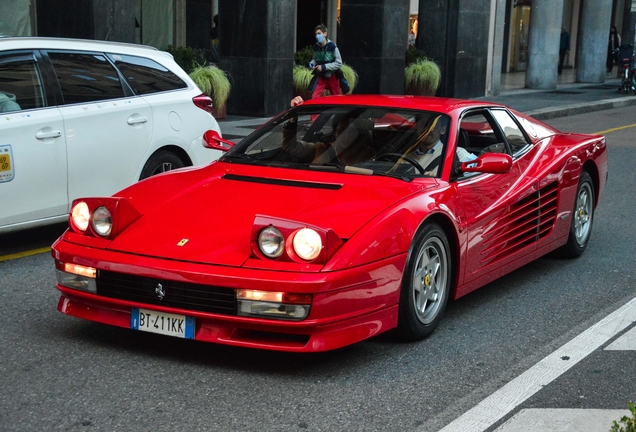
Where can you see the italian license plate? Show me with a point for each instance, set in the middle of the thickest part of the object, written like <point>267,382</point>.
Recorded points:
<point>162,323</point>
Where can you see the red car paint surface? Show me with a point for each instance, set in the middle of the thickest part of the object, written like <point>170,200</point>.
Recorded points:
<point>494,223</point>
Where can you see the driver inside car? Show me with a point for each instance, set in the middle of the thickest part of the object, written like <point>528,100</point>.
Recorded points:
<point>347,148</point>
<point>427,150</point>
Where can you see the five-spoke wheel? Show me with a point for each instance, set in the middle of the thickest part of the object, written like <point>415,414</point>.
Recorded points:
<point>426,283</point>
<point>582,218</point>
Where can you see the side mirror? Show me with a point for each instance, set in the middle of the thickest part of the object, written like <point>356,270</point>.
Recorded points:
<point>491,163</point>
<point>212,140</point>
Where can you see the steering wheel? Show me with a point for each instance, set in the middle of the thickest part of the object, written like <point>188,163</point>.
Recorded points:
<point>397,156</point>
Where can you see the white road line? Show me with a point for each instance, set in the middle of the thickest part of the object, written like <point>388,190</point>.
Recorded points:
<point>562,420</point>
<point>511,395</point>
<point>626,342</point>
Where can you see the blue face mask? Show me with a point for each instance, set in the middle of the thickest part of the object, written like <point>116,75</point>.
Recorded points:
<point>320,38</point>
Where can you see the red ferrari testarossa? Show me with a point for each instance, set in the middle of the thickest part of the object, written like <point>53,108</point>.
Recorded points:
<point>337,220</point>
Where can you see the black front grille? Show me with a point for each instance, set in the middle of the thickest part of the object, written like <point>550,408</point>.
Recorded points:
<point>183,295</point>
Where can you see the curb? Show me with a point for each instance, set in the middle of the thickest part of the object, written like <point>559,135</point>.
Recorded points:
<point>582,108</point>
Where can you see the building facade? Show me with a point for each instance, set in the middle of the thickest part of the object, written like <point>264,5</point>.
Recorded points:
<point>473,41</point>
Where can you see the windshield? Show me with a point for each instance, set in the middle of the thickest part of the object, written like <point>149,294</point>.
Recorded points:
<point>350,139</point>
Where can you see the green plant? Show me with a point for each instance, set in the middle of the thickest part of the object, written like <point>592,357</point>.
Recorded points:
<point>350,75</point>
<point>188,58</point>
<point>213,82</point>
<point>413,55</point>
<point>422,77</point>
<point>302,77</point>
<point>630,423</point>
<point>304,56</point>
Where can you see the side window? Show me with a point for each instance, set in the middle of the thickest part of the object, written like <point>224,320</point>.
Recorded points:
<point>147,76</point>
<point>515,137</point>
<point>86,77</point>
<point>480,135</point>
<point>477,135</point>
<point>20,84</point>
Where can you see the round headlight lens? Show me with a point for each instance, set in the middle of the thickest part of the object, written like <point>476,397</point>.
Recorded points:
<point>80,216</point>
<point>102,221</point>
<point>271,242</point>
<point>307,244</point>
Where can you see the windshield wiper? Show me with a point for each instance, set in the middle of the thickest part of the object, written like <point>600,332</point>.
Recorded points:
<point>241,157</point>
<point>399,177</point>
<point>332,166</point>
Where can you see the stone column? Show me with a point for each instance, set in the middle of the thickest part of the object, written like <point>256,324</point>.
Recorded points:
<point>198,23</point>
<point>373,39</point>
<point>179,36</point>
<point>332,20</point>
<point>546,18</point>
<point>596,19</point>
<point>455,35</point>
<point>114,20</point>
<point>256,40</point>
<point>493,88</point>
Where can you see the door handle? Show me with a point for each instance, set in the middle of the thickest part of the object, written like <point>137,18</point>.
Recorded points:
<point>49,134</point>
<point>135,119</point>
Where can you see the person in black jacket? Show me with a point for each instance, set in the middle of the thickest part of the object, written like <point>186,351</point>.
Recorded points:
<point>613,43</point>
<point>564,47</point>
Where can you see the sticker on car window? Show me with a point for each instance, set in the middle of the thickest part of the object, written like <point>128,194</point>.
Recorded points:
<point>6,163</point>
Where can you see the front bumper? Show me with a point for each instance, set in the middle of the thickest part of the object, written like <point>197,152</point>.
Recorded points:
<point>348,306</point>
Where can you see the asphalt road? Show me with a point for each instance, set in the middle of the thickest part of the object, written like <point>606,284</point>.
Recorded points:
<point>62,373</point>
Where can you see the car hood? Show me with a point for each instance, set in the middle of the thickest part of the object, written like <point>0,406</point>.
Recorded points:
<point>212,221</point>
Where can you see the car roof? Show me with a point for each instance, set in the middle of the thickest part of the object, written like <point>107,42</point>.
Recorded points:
<point>76,44</point>
<point>428,103</point>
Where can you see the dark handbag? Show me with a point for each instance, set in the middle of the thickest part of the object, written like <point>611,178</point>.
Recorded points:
<point>312,83</point>
<point>344,84</point>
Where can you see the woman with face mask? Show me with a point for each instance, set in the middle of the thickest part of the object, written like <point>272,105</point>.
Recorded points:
<point>325,64</point>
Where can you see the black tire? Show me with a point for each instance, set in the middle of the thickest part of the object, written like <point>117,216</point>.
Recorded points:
<point>426,284</point>
<point>161,161</point>
<point>582,218</point>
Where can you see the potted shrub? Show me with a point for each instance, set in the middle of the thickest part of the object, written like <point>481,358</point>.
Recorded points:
<point>186,57</point>
<point>301,79</point>
<point>422,77</point>
<point>413,54</point>
<point>350,75</point>
<point>215,83</point>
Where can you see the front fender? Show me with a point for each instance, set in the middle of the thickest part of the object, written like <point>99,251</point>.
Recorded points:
<point>392,231</point>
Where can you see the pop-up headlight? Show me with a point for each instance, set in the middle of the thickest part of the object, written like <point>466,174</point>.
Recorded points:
<point>80,215</point>
<point>285,240</point>
<point>271,242</point>
<point>307,244</point>
<point>102,221</point>
<point>102,217</point>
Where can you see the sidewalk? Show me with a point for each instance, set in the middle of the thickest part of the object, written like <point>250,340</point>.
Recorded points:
<point>569,98</point>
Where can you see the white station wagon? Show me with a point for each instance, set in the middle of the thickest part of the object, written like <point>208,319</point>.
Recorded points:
<point>88,118</point>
